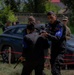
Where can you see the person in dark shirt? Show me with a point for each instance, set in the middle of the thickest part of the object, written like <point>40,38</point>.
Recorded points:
<point>57,35</point>
<point>33,52</point>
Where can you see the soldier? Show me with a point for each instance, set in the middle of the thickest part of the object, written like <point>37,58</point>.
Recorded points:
<point>68,31</point>
<point>31,20</point>
<point>33,52</point>
<point>57,37</point>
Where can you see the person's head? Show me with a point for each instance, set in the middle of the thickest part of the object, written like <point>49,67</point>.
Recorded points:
<point>8,23</point>
<point>17,22</point>
<point>31,20</point>
<point>38,22</point>
<point>13,23</point>
<point>30,28</point>
<point>65,20</point>
<point>51,17</point>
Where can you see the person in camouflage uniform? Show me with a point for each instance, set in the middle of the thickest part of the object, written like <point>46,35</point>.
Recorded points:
<point>68,31</point>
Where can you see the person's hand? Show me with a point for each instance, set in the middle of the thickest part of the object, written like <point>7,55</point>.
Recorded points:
<point>22,59</point>
<point>44,34</point>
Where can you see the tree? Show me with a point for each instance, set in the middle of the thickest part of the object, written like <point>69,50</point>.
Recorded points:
<point>7,14</point>
<point>69,4</point>
<point>14,4</point>
<point>40,6</point>
<point>2,5</point>
<point>29,5</point>
<point>35,6</point>
<point>32,6</point>
<point>52,7</point>
<point>18,2</point>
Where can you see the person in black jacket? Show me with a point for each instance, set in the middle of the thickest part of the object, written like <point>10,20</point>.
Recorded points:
<point>33,52</point>
<point>57,35</point>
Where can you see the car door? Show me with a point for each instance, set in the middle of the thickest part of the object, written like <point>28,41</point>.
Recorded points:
<point>14,37</point>
<point>19,34</point>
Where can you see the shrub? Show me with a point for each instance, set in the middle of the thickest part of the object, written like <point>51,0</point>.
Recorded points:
<point>7,14</point>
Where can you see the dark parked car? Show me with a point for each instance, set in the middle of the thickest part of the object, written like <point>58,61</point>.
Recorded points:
<point>69,55</point>
<point>12,38</point>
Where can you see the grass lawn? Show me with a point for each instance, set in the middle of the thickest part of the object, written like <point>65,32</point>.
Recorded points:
<point>6,69</point>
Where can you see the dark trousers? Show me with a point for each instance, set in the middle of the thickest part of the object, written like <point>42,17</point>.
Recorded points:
<point>56,61</point>
<point>38,66</point>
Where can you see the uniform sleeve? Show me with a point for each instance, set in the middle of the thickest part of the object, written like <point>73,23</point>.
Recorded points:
<point>26,44</point>
<point>58,35</point>
<point>68,33</point>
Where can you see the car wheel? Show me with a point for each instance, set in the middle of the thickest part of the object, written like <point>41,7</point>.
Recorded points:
<point>7,56</point>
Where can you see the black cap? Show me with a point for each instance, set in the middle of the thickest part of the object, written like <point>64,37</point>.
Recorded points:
<point>30,27</point>
<point>50,13</point>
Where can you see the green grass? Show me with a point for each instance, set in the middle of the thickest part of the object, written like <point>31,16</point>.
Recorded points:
<point>6,69</point>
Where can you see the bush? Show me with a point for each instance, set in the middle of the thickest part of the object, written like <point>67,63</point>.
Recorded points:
<point>7,14</point>
<point>12,17</point>
<point>52,7</point>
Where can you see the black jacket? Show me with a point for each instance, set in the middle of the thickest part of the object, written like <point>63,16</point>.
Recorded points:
<point>57,36</point>
<point>34,46</point>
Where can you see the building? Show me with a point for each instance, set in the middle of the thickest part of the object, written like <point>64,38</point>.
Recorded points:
<point>63,9</point>
<point>55,1</point>
<point>58,3</point>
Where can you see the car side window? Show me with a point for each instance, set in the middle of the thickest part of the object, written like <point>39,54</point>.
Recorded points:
<point>11,31</point>
<point>20,31</point>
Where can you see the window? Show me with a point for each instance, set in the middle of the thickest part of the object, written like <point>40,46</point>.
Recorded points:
<point>19,30</point>
<point>11,31</point>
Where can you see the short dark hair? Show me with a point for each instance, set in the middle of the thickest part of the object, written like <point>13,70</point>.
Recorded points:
<point>30,27</point>
<point>50,13</point>
<point>17,22</point>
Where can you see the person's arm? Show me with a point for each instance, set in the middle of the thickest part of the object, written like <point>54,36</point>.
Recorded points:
<point>42,43</point>
<point>58,35</point>
<point>68,36</point>
<point>27,43</point>
<point>24,46</point>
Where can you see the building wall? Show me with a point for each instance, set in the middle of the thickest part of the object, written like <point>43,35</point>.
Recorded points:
<point>55,1</point>
<point>23,17</point>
